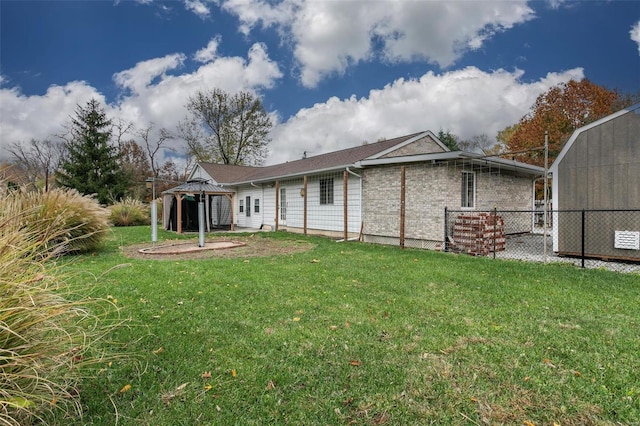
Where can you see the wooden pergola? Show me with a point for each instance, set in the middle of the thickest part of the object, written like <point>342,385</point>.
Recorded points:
<point>191,188</point>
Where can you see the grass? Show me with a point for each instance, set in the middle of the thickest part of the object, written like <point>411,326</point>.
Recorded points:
<point>351,333</point>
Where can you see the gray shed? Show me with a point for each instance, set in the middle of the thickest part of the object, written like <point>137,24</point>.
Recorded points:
<point>598,171</point>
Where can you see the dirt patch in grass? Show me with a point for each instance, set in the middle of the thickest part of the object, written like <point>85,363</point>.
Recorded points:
<point>245,246</point>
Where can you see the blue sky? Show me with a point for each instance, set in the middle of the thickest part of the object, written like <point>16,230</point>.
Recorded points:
<point>332,73</point>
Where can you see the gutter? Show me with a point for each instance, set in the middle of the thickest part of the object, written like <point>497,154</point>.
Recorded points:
<point>455,155</point>
<point>353,173</point>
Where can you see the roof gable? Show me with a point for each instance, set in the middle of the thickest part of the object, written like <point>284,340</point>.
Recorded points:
<point>567,146</point>
<point>424,143</point>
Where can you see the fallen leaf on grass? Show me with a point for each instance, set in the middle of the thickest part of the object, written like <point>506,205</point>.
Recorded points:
<point>528,423</point>
<point>207,387</point>
<point>315,261</point>
<point>206,375</point>
<point>168,397</point>
<point>233,373</point>
<point>271,385</point>
<point>548,363</point>
<point>334,327</point>
<point>158,351</point>
<point>354,362</point>
<point>296,319</point>
<point>125,388</point>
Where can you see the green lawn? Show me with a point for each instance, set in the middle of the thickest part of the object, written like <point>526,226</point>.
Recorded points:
<point>352,333</point>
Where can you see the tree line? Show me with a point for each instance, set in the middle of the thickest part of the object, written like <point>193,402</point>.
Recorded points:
<point>96,154</point>
<point>112,159</point>
<point>558,111</point>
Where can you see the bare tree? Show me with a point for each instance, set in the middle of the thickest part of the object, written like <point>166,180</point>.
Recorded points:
<point>479,143</point>
<point>120,128</point>
<point>154,145</point>
<point>39,158</point>
<point>224,128</point>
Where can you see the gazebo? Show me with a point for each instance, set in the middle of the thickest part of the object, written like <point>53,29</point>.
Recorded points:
<point>174,216</point>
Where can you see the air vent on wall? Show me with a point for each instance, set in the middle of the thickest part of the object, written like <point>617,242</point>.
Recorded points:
<point>628,240</point>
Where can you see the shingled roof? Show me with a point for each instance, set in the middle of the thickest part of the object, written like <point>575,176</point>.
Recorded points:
<point>227,174</point>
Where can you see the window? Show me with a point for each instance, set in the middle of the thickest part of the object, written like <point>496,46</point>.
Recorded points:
<point>248,206</point>
<point>468,190</point>
<point>256,205</point>
<point>241,206</point>
<point>326,191</point>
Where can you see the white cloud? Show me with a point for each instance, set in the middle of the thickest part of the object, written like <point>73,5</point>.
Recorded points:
<point>143,73</point>
<point>330,36</point>
<point>467,102</point>
<point>252,12</point>
<point>23,118</point>
<point>197,7</point>
<point>149,94</point>
<point>635,34</point>
<point>208,53</point>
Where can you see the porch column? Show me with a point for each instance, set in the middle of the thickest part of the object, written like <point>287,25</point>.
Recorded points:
<point>304,203</point>
<point>179,210</point>
<point>345,191</point>
<point>277,204</point>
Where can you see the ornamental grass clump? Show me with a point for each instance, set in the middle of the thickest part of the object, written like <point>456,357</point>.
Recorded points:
<point>50,334</point>
<point>129,212</point>
<point>60,218</point>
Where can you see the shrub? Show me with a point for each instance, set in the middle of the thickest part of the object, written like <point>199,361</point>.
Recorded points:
<point>61,218</point>
<point>129,212</point>
<point>48,333</point>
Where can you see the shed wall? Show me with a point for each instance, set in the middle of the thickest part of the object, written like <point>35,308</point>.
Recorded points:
<point>601,170</point>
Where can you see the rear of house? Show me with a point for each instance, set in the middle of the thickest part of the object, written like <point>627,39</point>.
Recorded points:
<point>356,192</point>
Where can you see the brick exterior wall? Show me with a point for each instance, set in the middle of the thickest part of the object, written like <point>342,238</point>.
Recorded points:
<point>429,189</point>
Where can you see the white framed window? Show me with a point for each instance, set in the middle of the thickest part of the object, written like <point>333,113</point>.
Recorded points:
<point>248,206</point>
<point>468,190</point>
<point>326,191</point>
<point>241,206</point>
<point>256,205</point>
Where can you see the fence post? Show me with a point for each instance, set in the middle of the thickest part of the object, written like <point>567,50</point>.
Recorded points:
<point>583,238</point>
<point>402,205</point>
<point>495,216</point>
<point>446,229</point>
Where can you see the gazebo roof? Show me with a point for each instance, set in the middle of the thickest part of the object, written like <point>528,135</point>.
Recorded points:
<point>196,186</point>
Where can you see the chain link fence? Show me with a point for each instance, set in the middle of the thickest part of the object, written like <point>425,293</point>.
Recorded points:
<point>588,238</point>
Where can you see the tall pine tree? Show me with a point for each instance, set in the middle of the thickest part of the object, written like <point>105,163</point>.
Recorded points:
<point>91,164</point>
